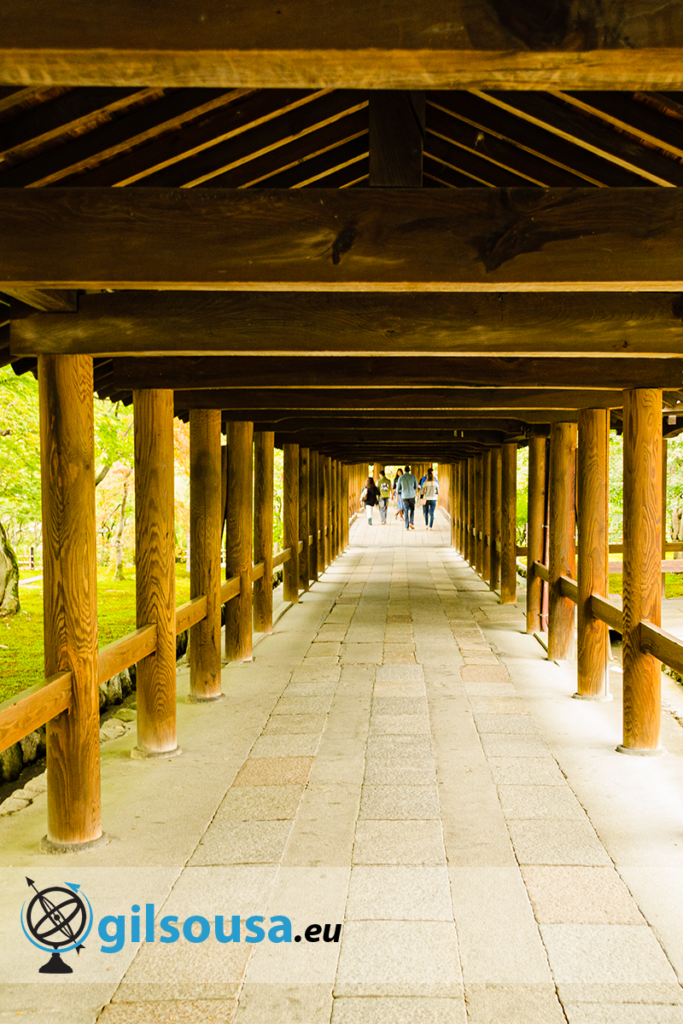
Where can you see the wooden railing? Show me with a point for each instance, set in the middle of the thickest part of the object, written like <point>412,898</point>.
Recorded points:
<point>652,639</point>
<point>35,706</point>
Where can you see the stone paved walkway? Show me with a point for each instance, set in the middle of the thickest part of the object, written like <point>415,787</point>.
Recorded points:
<point>399,758</point>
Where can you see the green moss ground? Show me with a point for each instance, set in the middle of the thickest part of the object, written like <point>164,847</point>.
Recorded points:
<point>21,637</point>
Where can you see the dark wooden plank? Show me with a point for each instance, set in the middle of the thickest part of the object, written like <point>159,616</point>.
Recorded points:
<point>397,123</point>
<point>434,44</point>
<point>206,323</point>
<point>468,161</point>
<point>386,372</point>
<point>49,300</point>
<point>391,398</point>
<point>349,239</point>
<point>345,158</point>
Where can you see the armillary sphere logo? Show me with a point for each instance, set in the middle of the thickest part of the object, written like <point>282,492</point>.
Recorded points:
<point>57,920</point>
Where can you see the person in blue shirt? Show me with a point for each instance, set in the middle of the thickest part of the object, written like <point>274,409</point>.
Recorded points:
<point>406,490</point>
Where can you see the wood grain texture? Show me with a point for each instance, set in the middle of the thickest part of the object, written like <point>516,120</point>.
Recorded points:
<point>397,120</point>
<point>32,708</point>
<point>642,593</point>
<point>662,645</point>
<point>205,551</point>
<point>593,554</point>
<point>562,521</point>
<point>542,571</point>
<point>506,324</point>
<point>263,529</point>
<point>230,589</point>
<point>238,552</point>
<point>389,399</point>
<point>536,523</point>
<point>290,519</point>
<point>313,515</point>
<point>607,612</point>
<point>155,568</point>
<point>432,240</point>
<point>70,593</point>
<point>127,651</point>
<point>304,522</point>
<point>46,300</point>
<point>569,589</point>
<point>402,45</point>
<point>508,524</point>
<point>190,613</point>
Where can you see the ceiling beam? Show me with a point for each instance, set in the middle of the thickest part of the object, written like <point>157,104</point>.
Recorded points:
<point>343,239</point>
<point>378,373</point>
<point>255,400</point>
<point>402,45</point>
<point>269,323</point>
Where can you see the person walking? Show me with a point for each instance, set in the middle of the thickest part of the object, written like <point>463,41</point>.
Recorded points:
<point>369,497</point>
<point>384,488</point>
<point>399,499</point>
<point>406,489</point>
<point>430,491</point>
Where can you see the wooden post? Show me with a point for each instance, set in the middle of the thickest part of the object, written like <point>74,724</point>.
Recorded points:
<point>665,452</point>
<point>263,529</point>
<point>562,545</point>
<point>496,493</point>
<point>155,569</point>
<point>462,505</point>
<point>290,520</point>
<point>471,499</point>
<point>238,555</point>
<point>327,504</point>
<point>304,467</point>
<point>321,514</point>
<point>313,514</point>
<point>479,513</point>
<point>508,524</point>
<point>486,516</point>
<point>345,492</point>
<point>455,502</point>
<point>535,538</point>
<point>67,461</point>
<point>205,548</point>
<point>333,509</point>
<point>642,567</point>
<point>593,524</point>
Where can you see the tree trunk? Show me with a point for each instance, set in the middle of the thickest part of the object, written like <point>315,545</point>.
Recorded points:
<point>9,577</point>
<point>118,538</point>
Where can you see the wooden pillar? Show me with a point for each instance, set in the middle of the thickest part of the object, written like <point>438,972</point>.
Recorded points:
<point>479,513</point>
<point>205,549</point>
<point>665,452</point>
<point>486,516</point>
<point>562,545</point>
<point>290,520</point>
<point>462,505</point>
<point>535,538</point>
<point>321,513</point>
<point>264,454</point>
<point>593,525</point>
<point>238,550</point>
<point>327,504</point>
<point>508,524</point>
<point>642,570</point>
<point>313,461</point>
<point>155,569</point>
<point>471,498</point>
<point>496,499</point>
<point>333,509</point>
<point>304,484</point>
<point>67,460</point>
<point>455,502</point>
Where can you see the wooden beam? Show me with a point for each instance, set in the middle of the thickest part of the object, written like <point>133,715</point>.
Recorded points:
<point>593,529</point>
<point>281,372</point>
<point>155,570</point>
<point>290,518</point>
<point>45,299</point>
<point>536,523</point>
<point>508,524</point>
<point>513,324</point>
<point>562,545</point>
<point>480,399</point>
<point>642,598</point>
<point>403,46</point>
<point>205,552</point>
<point>344,239</point>
<point>238,561</point>
<point>263,529</point>
<point>70,597</point>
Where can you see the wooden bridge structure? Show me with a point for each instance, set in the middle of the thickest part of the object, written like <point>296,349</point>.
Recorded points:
<point>427,235</point>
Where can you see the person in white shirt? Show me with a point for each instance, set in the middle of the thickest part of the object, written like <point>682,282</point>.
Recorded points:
<point>430,491</point>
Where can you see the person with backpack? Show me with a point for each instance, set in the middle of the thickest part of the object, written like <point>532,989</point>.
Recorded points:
<point>430,491</point>
<point>384,488</point>
<point>406,490</point>
<point>369,497</point>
